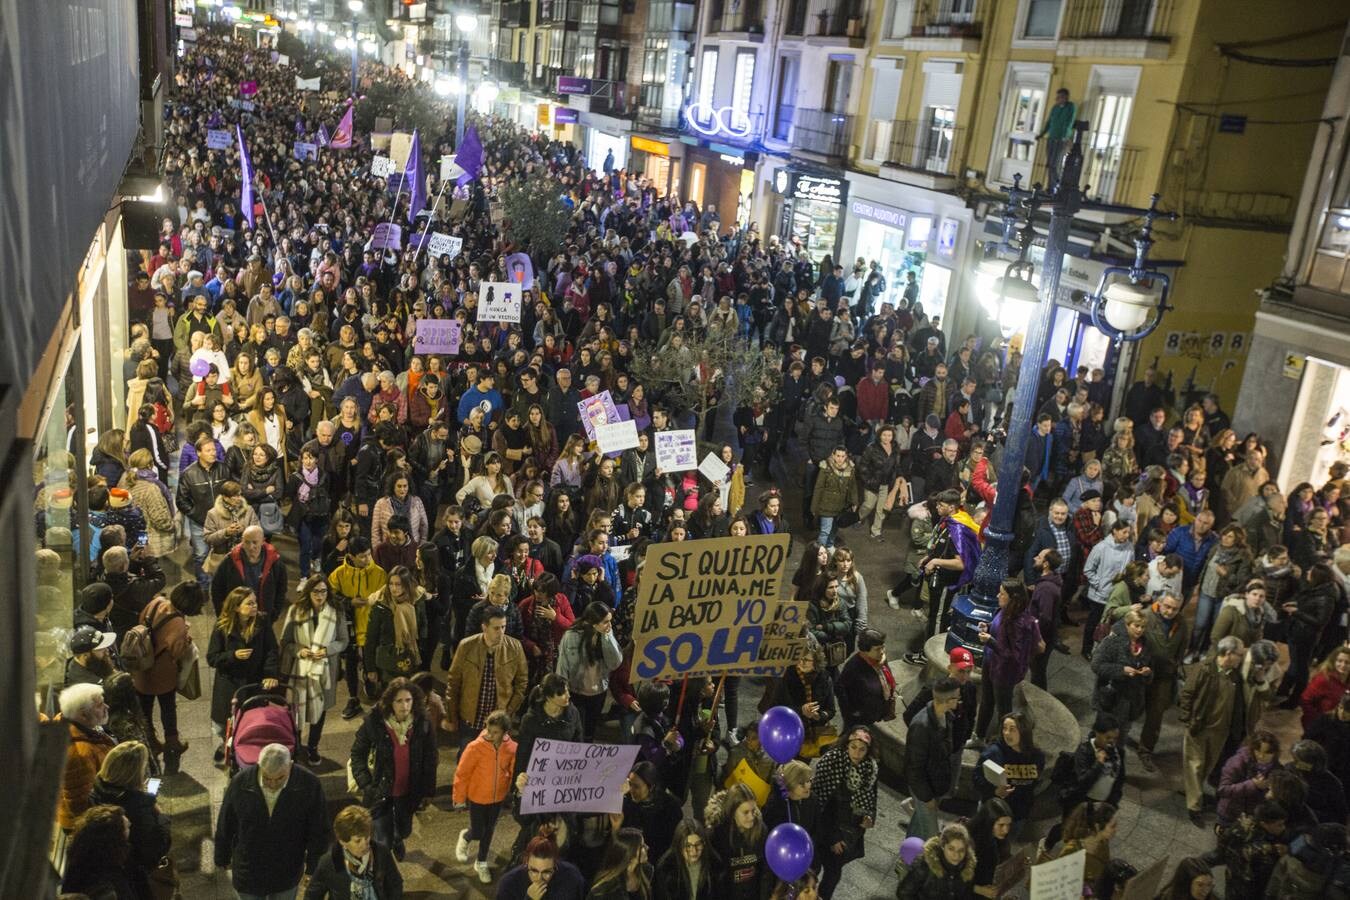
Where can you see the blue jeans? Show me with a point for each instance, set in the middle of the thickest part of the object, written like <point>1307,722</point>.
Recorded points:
<point>197,536</point>
<point>1206,611</point>
<point>310,536</point>
<point>826,535</point>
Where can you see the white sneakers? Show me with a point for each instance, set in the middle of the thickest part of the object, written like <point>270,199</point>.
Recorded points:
<point>892,600</point>
<point>484,874</point>
<point>462,847</point>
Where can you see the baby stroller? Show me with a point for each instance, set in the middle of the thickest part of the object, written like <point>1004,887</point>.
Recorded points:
<point>259,718</point>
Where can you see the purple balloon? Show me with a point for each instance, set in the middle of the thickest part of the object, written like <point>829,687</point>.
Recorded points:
<point>200,367</point>
<point>789,851</point>
<point>781,733</point>
<point>910,850</point>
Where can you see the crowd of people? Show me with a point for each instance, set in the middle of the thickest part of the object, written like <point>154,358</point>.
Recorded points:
<point>468,560</point>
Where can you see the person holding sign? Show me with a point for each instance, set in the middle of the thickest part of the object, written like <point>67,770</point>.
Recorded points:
<point>1090,827</point>
<point>586,657</point>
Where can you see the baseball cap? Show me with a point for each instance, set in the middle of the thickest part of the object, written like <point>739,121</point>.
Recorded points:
<point>87,638</point>
<point>961,658</point>
<point>1090,494</point>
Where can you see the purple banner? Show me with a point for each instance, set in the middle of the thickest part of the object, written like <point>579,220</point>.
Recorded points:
<point>571,84</point>
<point>437,336</point>
<point>387,236</point>
<point>248,88</point>
<point>563,115</point>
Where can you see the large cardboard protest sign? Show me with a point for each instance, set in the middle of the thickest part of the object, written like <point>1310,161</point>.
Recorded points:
<point>499,301</point>
<point>566,775</point>
<point>438,336</point>
<point>1059,879</point>
<point>439,244</point>
<point>715,607</point>
<point>387,236</point>
<point>615,437</point>
<point>676,451</point>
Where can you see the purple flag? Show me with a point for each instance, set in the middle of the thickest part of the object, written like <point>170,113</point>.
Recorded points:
<point>299,126</point>
<point>246,175</point>
<point>323,135</point>
<point>470,156</point>
<point>342,138</point>
<point>417,193</point>
<point>215,120</point>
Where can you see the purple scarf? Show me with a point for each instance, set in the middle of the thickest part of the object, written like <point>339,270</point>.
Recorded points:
<point>309,478</point>
<point>152,476</point>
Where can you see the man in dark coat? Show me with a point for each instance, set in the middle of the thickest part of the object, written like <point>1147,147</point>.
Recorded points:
<point>273,825</point>
<point>256,565</point>
<point>928,756</point>
<point>866,688</point>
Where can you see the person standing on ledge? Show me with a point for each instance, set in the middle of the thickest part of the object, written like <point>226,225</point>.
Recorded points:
<point>1058,133</point>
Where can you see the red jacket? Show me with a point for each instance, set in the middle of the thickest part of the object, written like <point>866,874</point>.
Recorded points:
<point>1321,695</point>
<point>271,583</point>
<point>566,618</point>
<point>874,399</point>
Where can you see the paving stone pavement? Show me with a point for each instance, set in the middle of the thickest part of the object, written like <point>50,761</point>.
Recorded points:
<point>1152,820</point>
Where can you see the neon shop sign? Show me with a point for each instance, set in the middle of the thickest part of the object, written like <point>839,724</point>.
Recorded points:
<point>722,121</point>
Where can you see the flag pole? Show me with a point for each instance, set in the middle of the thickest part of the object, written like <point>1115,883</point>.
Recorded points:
<point>394,211</point>
<point>435,203</point>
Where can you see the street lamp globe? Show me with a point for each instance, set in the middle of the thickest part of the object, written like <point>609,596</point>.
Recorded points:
<point>371,47</point>
<point>1019,298</point>
<point>488,91</point>
<point>466,22</point>
<point>443,87</point>
<point>987,272</point>
<point>1128,305</point>
<point>341,43</point>
<point>356,5</point>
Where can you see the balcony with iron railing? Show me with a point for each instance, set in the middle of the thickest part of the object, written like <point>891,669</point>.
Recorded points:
<point>843,23</point>
<point>946,25</point>
<point>920,152</point>
<point>1133,29</point>
<point>557,13</point>
<point>822,133</point>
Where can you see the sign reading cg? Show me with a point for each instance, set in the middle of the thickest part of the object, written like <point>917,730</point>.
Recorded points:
<point>723,121</point>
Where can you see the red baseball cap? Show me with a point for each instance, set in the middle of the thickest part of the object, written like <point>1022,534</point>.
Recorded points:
<point>961,658</point>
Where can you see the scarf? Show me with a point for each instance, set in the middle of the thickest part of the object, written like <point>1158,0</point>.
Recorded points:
<point>857,778</point>
<point>309,479</point>
<point>362,878</point>
<point>315,675</point>
<point>152,476</point>
<point>400,507</point>
<point>399,729</point>
<point>405,628</point>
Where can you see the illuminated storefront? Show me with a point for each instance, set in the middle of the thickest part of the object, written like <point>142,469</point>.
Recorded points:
<point>812,210</point>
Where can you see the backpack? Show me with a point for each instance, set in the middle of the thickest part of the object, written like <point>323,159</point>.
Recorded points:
<point>138,646</point>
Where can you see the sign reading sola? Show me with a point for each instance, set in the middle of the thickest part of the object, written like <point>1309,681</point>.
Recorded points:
<point>714,607</point>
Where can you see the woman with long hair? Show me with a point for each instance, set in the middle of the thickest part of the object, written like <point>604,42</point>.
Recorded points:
<point>567,468</point>
<point>814,561</point>
<point>845,788</point>
<point>562,521</point>
<point>1090,826</point>
<point>1329,683</point>
<point>1023,764</point>
<point>342,527</point>
<point>686,870</point>
<point>545,614</point>
<point>393,761</point>
<point>223,426</point>
<point>1010,642</point>
<point>108,458</point>
<point>98,854</point>
<point>433,586</point>
<point>587,655</point>
<point>852,587</point>
<point>263,482</point>
<point>396,628</point>
<point>990,838</point>
<point>145,435</point>
<point>1310,614</point>
<point>1226,569</point>
<point>1192,880</point>
<point>311,508</point>
<point>624,872</point>
<point>156,503</point>
<point>243,651</point>
<point>268,418</point>
<point>313,637</point>
<point>737,832</point>
<point>489,484</point>
<point>709,519</point>
<point>399,500</point>
<point>543,437</point>
<point>603,492</point>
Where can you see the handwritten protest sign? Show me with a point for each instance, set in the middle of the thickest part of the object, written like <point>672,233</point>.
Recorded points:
<point>307,84</point>
<point>1059,879</point>
<point>596,410</point>
<point>566,775</point>
<point>439,245</point>
<point>499,301</point>
<point>386,236</point>
<point>219,139</point>
<point>713,468</point>
<point>712,607</point>
<point>615,437</point>
<point>305,150</point>
<point>676,451</point>
<point>438,336</point>
<point>381,166</point>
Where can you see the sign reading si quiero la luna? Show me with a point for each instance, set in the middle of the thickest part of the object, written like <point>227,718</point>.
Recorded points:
<point>714,607</point>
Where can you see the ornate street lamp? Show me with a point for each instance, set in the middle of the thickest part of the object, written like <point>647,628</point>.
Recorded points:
<point>1121,308</point>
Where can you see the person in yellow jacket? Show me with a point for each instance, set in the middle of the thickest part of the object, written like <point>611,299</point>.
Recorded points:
<point>353,583</point>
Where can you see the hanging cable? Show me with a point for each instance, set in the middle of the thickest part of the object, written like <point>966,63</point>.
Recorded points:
<point>1280,63</point>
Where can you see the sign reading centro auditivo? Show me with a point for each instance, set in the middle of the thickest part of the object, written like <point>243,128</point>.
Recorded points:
<point>714,607</point>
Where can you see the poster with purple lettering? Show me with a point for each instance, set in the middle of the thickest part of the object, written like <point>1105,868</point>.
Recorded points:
<point>597,409</point>
<point>437,336</point>
<point>387,236</point>
<point>566,775</point>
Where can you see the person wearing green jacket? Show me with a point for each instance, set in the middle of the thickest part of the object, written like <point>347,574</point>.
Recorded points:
<point>836,492</point>
<point>1058,132</point>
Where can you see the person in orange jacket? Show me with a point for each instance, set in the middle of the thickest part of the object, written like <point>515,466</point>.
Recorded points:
<point>483,778</point>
